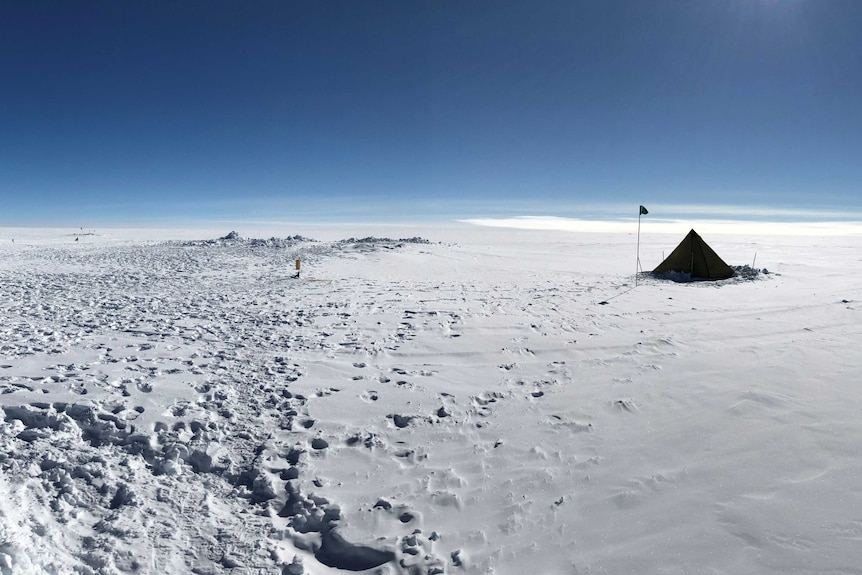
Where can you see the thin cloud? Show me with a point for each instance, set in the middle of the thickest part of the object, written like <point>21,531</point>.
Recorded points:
<point>676,226</point>
<point>764,212</point>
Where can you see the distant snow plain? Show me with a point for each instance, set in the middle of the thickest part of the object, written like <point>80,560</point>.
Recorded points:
<point>497,401</point>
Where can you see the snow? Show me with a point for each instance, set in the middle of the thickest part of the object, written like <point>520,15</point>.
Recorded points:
<point>178,402</point>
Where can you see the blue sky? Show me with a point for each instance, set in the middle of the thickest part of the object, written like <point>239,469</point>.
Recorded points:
<point>379,110</point>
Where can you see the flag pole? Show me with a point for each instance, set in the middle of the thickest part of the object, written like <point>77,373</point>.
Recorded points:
<point>638,263</point>
<point>641,211</point>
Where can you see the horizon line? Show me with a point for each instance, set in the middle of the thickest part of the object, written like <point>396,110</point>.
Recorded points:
<point>627,225</point>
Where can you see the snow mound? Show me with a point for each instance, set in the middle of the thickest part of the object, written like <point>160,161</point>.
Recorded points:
<point>376,240</point>
<point>748,273</point>
<point>742,273</point>
<point>233,239</point>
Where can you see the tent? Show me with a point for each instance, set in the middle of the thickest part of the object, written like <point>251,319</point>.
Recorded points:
<point>694,257</point>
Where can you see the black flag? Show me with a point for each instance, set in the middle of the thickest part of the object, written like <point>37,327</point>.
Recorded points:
<point>644,211</point>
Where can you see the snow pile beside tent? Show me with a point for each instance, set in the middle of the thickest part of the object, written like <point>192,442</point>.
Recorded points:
<point>746,272</point>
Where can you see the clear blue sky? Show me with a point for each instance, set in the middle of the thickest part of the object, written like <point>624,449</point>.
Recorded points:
<point>119,111</point>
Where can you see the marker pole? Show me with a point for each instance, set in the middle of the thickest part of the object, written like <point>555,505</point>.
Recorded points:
<point>638,264</point>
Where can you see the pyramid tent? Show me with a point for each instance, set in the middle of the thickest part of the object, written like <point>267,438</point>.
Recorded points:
<point>694,257</point>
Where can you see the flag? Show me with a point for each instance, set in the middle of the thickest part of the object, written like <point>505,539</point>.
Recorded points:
<point>643,211</point>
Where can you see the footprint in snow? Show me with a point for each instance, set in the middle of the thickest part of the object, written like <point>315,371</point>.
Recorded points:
<point>625,405</point>
<point>400,421</point>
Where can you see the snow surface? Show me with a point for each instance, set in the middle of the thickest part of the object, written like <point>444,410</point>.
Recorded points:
<point>494,401</point>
